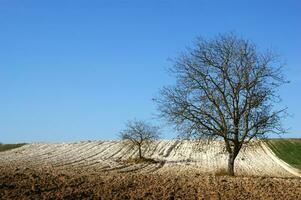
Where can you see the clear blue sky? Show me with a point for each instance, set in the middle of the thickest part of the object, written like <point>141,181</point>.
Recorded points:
<point>77,70</point>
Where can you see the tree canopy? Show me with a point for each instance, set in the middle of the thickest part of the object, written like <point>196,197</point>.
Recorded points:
<point>225,89</point>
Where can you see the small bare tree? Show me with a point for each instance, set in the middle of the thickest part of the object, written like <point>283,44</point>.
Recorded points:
<point>140,134</point>
<point>225,90</point>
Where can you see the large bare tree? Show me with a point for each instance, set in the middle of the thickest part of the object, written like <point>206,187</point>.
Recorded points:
<point>225,89</point>
<point>139,134</point>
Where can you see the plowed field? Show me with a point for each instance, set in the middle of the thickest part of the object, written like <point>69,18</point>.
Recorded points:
<point>99,170</point>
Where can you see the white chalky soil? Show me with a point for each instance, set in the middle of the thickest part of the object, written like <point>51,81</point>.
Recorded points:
<point>256,159</point>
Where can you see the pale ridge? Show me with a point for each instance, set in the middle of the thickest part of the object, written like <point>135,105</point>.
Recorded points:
<point>283,164</point>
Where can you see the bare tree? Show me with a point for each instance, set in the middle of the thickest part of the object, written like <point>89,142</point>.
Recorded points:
<point>140,134</point>
<point>225,89</point>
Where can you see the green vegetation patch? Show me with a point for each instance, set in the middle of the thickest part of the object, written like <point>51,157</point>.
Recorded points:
<point>6,147</point>
<point>289,150</point>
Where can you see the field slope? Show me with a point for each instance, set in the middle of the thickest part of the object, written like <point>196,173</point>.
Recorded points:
<point>289,150</point>
<point>6,147</point>
<point>171,155</point>
<point>100,170</point>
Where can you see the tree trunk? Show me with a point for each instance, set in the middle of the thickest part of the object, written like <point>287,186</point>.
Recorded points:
<point>140,152</point>
<point>231,164</point>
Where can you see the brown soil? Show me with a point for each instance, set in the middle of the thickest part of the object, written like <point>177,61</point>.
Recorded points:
<point>48,183</point>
